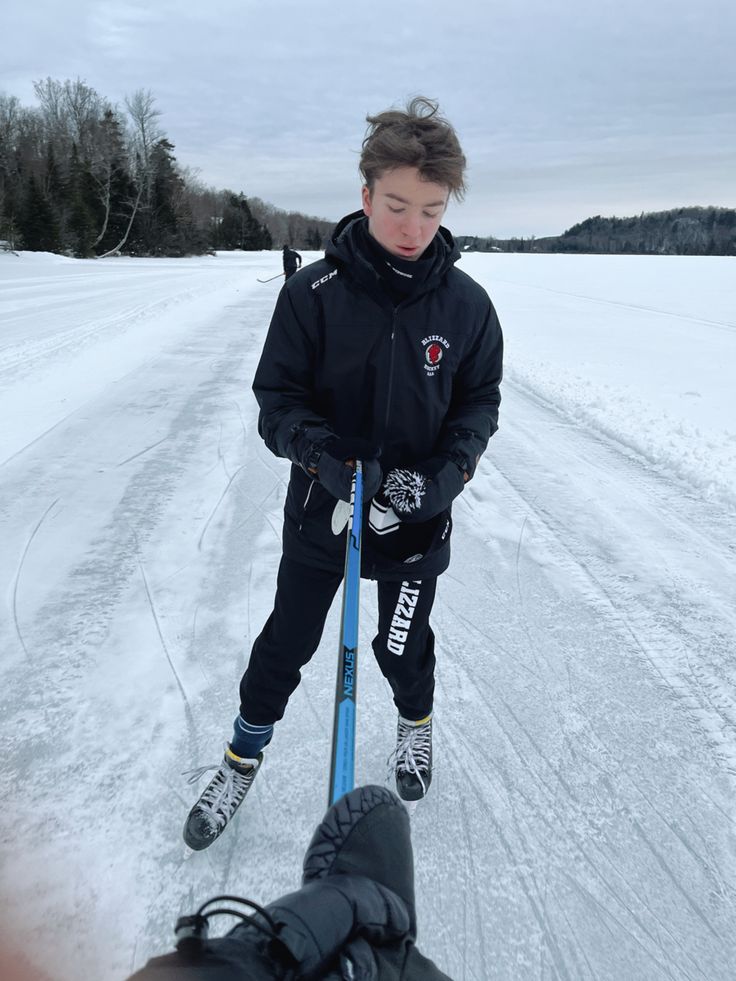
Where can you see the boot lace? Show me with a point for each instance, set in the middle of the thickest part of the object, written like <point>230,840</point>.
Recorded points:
<point>413,750</point>
<point>224,793</point>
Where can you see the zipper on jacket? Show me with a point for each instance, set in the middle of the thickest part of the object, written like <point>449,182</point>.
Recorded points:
<point>306,502</point>
<point>390,376</point>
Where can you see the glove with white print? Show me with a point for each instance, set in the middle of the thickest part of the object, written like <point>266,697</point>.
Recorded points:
<point>421,492</point>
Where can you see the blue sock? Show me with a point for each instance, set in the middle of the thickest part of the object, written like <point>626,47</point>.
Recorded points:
<point>249,740</point>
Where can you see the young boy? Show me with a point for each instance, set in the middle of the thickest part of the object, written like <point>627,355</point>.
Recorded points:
<point>382,351</point>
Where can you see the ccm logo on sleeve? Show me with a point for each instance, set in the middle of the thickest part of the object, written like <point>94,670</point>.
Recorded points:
<point>320,282</point>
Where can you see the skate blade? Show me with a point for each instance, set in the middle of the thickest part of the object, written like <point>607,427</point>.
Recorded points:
<point>410,805</point>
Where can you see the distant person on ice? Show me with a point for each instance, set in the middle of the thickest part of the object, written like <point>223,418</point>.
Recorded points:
<point>291,258</point>
<point>382,351</point>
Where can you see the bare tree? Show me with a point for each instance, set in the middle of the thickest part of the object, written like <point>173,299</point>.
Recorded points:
<point>50,94</point>
<point>10,111</point>
<point>133,211</point>
<point>146,133</point>
<point>109,161</point>
<point>84,110</point>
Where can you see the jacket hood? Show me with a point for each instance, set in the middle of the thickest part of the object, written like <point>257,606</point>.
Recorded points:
<point>343,247</point>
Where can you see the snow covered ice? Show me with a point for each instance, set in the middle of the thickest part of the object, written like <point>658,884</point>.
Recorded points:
<point>580,822</point>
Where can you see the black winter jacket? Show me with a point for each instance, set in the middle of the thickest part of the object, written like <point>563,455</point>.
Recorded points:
<point>418,380</point>
<point>290,258</point>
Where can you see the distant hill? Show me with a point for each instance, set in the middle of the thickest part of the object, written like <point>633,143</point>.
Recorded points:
<point>680,231</point>
<point>291,227</point>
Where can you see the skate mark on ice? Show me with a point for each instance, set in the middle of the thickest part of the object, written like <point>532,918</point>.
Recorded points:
<point>242,421</point>
<point>708,870</point>
<point>306,696</point>
<point>666,868</point>
<point>473,628</point>
<point>155,945</point>
<point>191,725</point>
<point>607,914</point>
<point>554,769</point>
<point>217,505</point>
<point>576,839</point>
<point>37,439</point>
<point>577,944</point>
<point>708,867</point>
<point>539,914</point>
<point>18,574</point>
<point>480,931</point>
<point>193,647</point>
<point>522,605</point>
<point>555,822</point>
<point>721,324</point>
<point>142,452</point>
<point>264,457</point>
<point>259,507</point>
<point>652,640</point>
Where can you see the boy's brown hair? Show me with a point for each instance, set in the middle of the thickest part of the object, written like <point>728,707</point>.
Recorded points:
<point>418,137</point>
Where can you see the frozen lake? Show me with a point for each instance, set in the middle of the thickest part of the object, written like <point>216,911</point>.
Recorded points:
<point>580,823</point>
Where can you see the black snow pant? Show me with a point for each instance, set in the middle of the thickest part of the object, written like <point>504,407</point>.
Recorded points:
<point>404,645</point>
<point>289,271</point>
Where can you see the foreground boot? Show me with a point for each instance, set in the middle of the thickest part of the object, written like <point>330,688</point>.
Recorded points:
<point>221,798</point>
<point>412,758</point>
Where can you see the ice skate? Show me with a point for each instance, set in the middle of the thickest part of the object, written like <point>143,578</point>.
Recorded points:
<point>412,759</point>
<point>221,798</point>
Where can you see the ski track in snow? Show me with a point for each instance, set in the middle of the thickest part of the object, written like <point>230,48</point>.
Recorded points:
<point>580,823</point>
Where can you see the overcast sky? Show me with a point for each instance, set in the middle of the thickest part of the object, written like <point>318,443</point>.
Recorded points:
<point>565,109</point>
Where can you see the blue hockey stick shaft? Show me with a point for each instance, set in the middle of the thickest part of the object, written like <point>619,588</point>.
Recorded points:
<point>342,768</point>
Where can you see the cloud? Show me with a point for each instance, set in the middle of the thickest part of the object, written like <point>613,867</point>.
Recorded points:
<point>563,109</point>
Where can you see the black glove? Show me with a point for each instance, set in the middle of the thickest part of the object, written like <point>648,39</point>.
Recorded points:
<point>316,922</point>
<point>306,930</point>
<point>419,493</point>
<point>336,476</point>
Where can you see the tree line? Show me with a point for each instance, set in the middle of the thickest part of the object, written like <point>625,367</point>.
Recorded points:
<point>679,231</point>
<point>84,177</point>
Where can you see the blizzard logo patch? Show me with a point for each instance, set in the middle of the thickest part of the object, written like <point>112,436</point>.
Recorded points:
<point>434,350</point>
<point>401,620</point>
<point>325,279</point>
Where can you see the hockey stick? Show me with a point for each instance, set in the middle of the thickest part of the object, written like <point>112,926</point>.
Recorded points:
<point>269,280</point>
<point>342,766</point>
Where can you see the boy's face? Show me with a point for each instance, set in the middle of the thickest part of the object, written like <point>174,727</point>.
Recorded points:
<point>404,211</point>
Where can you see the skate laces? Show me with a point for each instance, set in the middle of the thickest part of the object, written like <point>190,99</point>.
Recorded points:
<point>225,791</point>
<point>200,771</point>
<point>413,749</point>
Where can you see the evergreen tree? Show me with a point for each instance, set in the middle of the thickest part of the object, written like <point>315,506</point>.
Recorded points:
<point>266,238</point>
<point>239,229</point>
<point>53,187</point>
<point>38,226</point>
<point>166,187</point>
<point>314,239</point>
<point>83,207</point>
